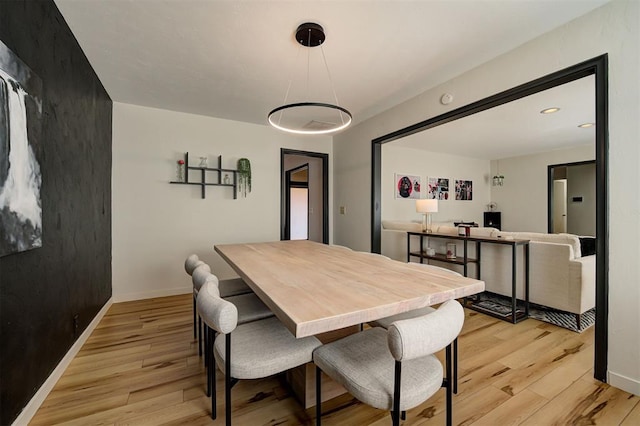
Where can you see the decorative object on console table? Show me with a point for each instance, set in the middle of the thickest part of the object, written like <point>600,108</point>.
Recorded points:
<point>244,172</point>
<point>183,175</point>
<point>426,207</point>
<point>451,251</point>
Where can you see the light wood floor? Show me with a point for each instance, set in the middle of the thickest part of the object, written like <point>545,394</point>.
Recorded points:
<point>140,366</point>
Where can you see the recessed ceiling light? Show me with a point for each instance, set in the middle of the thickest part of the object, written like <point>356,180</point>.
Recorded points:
<point>586,125</point>
<point>550,110</point>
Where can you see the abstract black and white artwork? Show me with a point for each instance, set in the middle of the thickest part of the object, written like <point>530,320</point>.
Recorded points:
<point>20,176</point>
<point>464,190</point>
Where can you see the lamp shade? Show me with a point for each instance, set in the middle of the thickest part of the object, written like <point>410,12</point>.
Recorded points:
<point>427,206</point>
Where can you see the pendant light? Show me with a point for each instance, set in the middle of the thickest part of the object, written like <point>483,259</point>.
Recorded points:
<point>498,179</point>
<point>310,118</point>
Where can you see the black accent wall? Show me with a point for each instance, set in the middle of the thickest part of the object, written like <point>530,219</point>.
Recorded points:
<point>43,290</point>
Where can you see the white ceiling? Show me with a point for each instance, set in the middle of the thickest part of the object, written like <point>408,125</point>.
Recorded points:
<point>517,128</point>
<point>234,59</point>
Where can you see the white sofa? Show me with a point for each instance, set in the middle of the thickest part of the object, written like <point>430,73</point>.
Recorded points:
<point>559,276</point>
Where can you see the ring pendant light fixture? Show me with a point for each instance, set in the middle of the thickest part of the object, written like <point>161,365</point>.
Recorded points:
<point>310,118</point>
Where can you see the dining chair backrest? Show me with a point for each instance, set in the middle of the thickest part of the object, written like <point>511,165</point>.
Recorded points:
<point>421,336</point>
<point>191,263</point>
<point>201,276</point>
<point>217,313</point>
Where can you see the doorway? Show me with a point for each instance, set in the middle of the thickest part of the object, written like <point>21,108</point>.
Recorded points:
<point>297,194</point>
<point>304,195</point>
<point>571,198</point>
<point>596,67</point>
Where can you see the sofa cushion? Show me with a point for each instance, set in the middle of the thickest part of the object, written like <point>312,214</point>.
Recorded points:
<point>569,239</point>
<point>400,225</point>
<point>587,246</point>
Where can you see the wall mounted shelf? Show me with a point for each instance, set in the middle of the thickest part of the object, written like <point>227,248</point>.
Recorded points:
<point>205,172</point>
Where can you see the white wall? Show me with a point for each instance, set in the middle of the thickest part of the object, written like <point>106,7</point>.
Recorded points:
<point>581,215</point>
<point>523,197</point>
<point>612,29</point>
<point>156,225</point>
<point>396,159</point>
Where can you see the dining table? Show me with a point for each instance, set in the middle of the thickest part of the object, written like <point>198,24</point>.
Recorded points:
<point>316,288</point>
<point>329,291</point>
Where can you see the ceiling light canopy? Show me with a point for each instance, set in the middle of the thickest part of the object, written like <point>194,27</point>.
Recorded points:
<point>309,117</point>
<point>550,110</point>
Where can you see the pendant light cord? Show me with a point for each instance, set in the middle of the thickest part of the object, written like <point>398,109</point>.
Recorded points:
<point>286,95</point>
<point>333,89</point>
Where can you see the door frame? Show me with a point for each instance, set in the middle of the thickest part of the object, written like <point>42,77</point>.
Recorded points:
<point>598,67</point>
<point>550,188</point>
<point>325,190</point>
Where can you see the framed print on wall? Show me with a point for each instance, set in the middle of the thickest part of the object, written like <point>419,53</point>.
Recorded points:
<point>407,186</point>
<point>464,190</point>
<point>438,188</point>
<point>20,177</point>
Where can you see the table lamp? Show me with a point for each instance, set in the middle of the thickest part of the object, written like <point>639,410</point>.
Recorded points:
<point>426,207</point>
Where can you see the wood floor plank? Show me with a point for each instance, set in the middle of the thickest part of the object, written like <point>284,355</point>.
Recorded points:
<point>536,367</point>
<point>514,410</point>
<point>119,415</point>
<point>141,367</point>
<point>633,418</point>
<point>563,376</point>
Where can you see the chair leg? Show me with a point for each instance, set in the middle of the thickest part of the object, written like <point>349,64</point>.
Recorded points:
<point>212,374</point>
<point>194,318</point>
<point>199,336</point>
<point>403,415</point>
<point>578,321</point>
<point>207,357</point>
<point>396,394</point>
<point>227,380</point>
<point>318,396</point>
<point>448,387</point>
<point>455,366</point>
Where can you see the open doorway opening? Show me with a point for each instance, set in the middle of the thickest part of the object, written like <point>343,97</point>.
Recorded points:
<point>304,195</point>
<point>572,198</point>
<point>297,193</point>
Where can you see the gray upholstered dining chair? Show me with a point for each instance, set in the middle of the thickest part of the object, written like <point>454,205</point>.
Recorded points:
<point>387,321</point>
<point>190,264</point>
<point>257,349</point>
<point>250,307</point>
<point>395,369</point>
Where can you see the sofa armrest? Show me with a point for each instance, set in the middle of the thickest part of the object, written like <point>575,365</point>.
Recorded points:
<point>583,270</point>
<point>551,281</point>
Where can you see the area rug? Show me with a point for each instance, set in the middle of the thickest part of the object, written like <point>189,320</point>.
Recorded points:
<point>500,305</point>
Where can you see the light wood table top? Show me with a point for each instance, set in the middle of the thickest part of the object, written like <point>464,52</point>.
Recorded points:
<point>315,288</point>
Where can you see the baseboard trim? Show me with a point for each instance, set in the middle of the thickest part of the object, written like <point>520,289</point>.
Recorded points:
<point>34,404</point>
<point>129,297</point>
<point>627,384</point>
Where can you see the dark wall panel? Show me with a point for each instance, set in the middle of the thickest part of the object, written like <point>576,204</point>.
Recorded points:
<point>43,290</point>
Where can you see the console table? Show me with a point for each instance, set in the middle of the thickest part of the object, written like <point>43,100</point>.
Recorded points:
<point>515,316</point>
